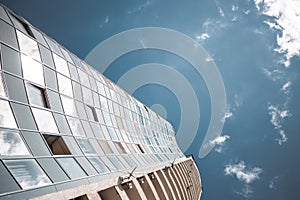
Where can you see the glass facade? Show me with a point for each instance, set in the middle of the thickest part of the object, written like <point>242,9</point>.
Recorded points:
<point>61,120</point>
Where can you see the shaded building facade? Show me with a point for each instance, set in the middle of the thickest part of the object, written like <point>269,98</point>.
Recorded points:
<point>67,132</point>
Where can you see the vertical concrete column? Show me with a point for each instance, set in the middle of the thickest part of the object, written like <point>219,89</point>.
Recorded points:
<point>139,189</point>
<point>179,184</point>
<point>161,185</point>
<point>152,187</point>
<point>122,193</point>
<point>168,183</point>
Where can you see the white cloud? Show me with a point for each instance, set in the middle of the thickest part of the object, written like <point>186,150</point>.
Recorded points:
<point>242,172</point>
<point>246,192</point>
<point>219,141</point>
<point>282,138</point>
<point>286,87</point>
<point>139,8</point>
<point>202,37</point>
<point>273,182</point>
<point>106,20</point>
<point>234,8</point>
<point>277,117</point>
<point>285,16</point>
<point>274,75</point>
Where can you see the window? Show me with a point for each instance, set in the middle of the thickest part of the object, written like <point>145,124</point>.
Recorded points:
<point>37,95</point>
<point>24,116</point>
<point>27,173</point>
<point>44,120</point>
<point>75,126</point>
<point>8,34</point>
<point>61,65</point>
<point>57,145</point>
<point>28,46</point>
<point>6,116</point>
<point>32,70</point>
<point>11,60</point>
<point>2,89</point>
<point>53,170</point>
<point>91,113</point>
<point>99,165</point>
<point>36,143</point>
<point>68,105</point>
<point>19,24</point>
<point>106,148</point>
<point>65,85</point>
<point>11,144</point>
<point>120,147</point>
<point>53,46</point>
<point>50,78</point>
<point>71,167</point>
<point>7,182</point>
<point>86,146</point>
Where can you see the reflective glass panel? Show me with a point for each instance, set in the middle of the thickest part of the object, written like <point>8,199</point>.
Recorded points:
<point>8,34</point>
<point>11,144</point>
<point>36,95</point>
<point>76,126</point>
<point>11,60</point>
<point>65,85</point>
<point>71,167</point>
<point>44,120</point>
<point>32,70</point>
<point>53,170</point>
<point>69,106</point>
<point>24,116</point>
<point>28,46</point>
<point>53,46</point>
<point>6,116</point>
<point>84,79</point>
<point>2,90</point>
<point>87,96</point>
<point>27,173</point>
<point>86,146</point>
<point>99,165</point>
<point>46,56</point>
<point>36,143</point>
<point>61,65</point>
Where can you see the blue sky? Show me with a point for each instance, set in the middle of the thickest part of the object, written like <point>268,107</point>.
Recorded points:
<point>256,46</point>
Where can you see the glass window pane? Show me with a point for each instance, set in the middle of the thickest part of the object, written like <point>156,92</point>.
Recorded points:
<point>91,113</point>
<point>87,129</point>
<point>80,110</point>
<point>2,90</point>
<point>68,105</point>
<point>4,16</point>
<point>53,46</point>
<point>66,54</point>
<point>65,85</point>
<point>99,165</point>
<point>28,46</point>
<point>36,143</point>
<point>7,182</point>
<point>62,123</point>
<point>61,65</point>
<point>56,144</point>
<point>73,146</point>
<point>24,116</point>
<point>106,148</point>
<point>53,170</point>
<point>84,78</point>
<point>86,146</point>
<point>109,164</point>
<point>50,78</point>
<point>76,126</point>
<point>6,116</point>
<point>27,173</point>
<point>11,60</point>
<point>73,71</point>
<point>39,37</point>
<point>32,70</point>
<point>71,167</point>
<point>54,101</point>
<point>8,34</point>
<point>36,95</point>
<point>46,56</point>
<point>44,120</point>
<point>97,130</point>
<point>86,165</point>
<point>87,96</point>
<point>77,90</point>
<point>11,144</point>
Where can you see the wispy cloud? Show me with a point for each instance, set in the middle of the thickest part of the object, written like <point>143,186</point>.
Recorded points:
<point>284,17</point>
<point>139,8</point>
<point>273,182</point>
<point>219,142</point>
<point>277,117</point>
<point>286,88</point>
<point>242,172</point>
<point>274,75</point>
<point>202,37</point>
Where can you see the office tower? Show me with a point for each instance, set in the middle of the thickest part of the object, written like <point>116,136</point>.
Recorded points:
<point>67,132</point>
